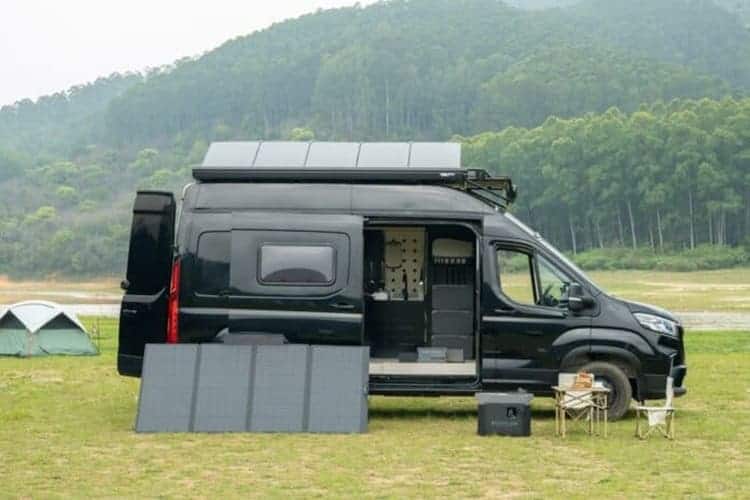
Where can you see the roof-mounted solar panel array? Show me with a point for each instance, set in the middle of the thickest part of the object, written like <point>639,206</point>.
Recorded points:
<point>282,160</point>
<point>371,162</point>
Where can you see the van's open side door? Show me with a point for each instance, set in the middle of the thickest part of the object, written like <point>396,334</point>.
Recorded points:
<point>143,316</point>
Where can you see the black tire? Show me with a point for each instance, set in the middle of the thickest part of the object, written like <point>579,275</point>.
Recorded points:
<point>617,382</point>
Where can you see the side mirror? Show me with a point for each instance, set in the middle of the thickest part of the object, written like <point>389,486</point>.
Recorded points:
<point>577,298</point>
<point>125,284</point>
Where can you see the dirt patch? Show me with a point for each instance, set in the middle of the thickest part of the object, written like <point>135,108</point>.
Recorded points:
<point>104,291</point>
<point>715,320</point>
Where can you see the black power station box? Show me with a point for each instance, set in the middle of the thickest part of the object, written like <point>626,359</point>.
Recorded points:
<point>506,414</point>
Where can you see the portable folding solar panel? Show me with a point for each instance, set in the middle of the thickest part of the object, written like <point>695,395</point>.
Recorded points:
<point>255,388</point>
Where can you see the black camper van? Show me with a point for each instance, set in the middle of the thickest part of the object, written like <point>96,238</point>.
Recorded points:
<point>390,245</point>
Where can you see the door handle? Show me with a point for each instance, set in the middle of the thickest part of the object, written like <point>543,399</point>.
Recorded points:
<point>505,311</point>
<point>343,305</point>
<point>129,312</point>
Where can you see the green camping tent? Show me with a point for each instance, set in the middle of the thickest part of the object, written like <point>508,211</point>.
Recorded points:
<point>38,328</point>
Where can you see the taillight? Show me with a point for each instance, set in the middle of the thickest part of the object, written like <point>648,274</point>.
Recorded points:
<point>173,305</point>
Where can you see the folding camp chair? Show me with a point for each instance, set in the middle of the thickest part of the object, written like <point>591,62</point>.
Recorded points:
<point>660,418</point>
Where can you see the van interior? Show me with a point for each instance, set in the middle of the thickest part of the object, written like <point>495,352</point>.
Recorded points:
<point>419,284</point>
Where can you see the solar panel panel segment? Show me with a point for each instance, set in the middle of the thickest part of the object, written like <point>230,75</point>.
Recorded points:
<point>324,155</point>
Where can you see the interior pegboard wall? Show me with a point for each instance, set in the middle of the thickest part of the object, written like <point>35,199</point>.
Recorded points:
<point>404,253</point>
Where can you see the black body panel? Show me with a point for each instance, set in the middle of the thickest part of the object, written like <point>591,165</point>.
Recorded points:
<point>327,313</point>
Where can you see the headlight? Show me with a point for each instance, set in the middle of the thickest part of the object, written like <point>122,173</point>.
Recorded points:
<point>657,323</point>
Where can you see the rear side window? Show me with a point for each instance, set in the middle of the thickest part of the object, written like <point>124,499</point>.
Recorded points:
<point>213,262</point>
<point>288,263</point>
<point>297,264</point>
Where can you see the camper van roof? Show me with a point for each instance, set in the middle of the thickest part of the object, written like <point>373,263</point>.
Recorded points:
<point>363,162</point>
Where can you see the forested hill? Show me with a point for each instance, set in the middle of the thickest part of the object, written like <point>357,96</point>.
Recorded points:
<point>419,69</point>
<point>425,69</point>
<point>396,70</point>
<point>740,8</point>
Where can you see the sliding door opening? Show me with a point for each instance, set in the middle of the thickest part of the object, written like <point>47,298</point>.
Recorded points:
<point>420,301</point>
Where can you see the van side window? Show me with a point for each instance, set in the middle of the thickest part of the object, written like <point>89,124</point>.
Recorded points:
<point>297,264</point>
<point>515,275</point>
<point>213,262</point>
<point>553,283</point>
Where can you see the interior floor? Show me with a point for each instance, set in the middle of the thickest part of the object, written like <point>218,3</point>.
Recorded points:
<point>420,289</point>
<point>392,366</point>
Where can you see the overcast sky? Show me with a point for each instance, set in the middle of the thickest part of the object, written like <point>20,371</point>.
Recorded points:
<point>50,45</point>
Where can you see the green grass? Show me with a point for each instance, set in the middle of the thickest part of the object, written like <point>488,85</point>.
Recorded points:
<point>723,290</point>
<point>66,429</point>
<point>701,258</point>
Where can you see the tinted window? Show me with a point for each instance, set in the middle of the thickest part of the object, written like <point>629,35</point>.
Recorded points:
<point>150,255</point>
<point>213,262</point>
<point>515,276</point>
<point>293,264</point>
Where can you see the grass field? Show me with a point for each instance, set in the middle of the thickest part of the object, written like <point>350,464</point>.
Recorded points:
<point>66,429</point>
<point>726,290</point>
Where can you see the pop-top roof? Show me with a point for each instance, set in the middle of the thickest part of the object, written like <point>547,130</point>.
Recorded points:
<point>295,160</point>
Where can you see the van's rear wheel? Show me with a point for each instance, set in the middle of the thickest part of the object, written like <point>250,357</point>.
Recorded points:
<point>618,384</point>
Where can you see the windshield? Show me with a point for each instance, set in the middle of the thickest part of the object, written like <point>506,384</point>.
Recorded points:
<point>554,251</point>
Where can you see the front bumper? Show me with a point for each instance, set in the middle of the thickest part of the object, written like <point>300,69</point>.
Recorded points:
<point>655,386</point>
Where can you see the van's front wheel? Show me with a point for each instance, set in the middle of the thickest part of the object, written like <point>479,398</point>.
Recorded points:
<point>618,384</point>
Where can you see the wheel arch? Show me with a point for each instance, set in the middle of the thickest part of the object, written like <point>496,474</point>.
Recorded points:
<point>622,358</point>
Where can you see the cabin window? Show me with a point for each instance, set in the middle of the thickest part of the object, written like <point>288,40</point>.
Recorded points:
<point>213,262</point>
<point>515,274</point>
<point>553,283</point>
<point>530,278</point>
<point>297,265</point>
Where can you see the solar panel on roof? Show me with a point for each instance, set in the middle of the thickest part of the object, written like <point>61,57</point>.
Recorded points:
<point>290,154</point>
<point>333,155</point>
<point>331,161</point>
<point>282,154</point>
<point>384,154</point>
<point>231,154</point>
<point>435,155</point>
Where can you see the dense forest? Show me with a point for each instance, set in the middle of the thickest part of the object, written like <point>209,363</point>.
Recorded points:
<point>624,122</point>
<point>667,175</point>
<point>738,7</point>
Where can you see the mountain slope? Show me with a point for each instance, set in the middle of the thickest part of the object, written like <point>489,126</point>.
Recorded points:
<point>397,70</point>
<point>63,121</point>
<point>414,68</point>
<point>695,33</point>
